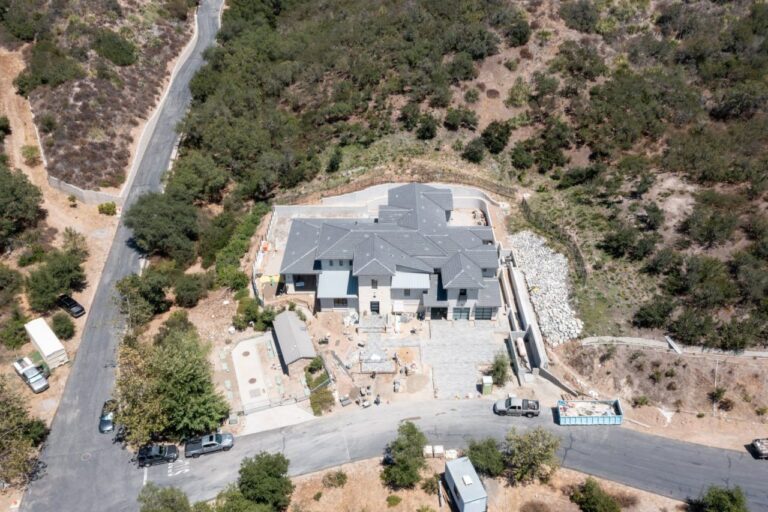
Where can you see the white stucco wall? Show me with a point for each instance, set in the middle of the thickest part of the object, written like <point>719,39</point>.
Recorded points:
<point>383,294</point>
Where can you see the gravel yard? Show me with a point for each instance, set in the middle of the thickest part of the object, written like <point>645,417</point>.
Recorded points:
<point>546,272</point>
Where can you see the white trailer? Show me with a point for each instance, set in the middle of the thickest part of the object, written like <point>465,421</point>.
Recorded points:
<point>467,491</point>
<point>46,342</point>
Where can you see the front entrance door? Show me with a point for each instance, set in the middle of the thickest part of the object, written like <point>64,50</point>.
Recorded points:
<point>375,307</point>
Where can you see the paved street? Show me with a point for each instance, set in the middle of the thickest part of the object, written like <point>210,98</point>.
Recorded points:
<point>672,468</point>
<point>85,471</point>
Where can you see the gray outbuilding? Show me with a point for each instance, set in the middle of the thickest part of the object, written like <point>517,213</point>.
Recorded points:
<point>292,338</point>
<point>466,489</point>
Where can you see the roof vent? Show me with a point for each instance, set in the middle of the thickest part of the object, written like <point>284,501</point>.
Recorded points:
<point>466,479</point>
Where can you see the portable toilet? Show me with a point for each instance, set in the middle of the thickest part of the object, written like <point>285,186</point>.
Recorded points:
<point>46,343</point>
<point>487,384</point>
<point>466,489</point>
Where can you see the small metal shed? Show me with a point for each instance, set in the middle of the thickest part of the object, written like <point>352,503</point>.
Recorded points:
<point>292,338</point>
<point>46,343</point>
<point>466,489</point>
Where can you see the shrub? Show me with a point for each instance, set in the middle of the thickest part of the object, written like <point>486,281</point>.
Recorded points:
<point>335,479</point>
<point>5,127</point>
<point>460,117</point>
<point>720,499</point>
<point>321,400</point>
<point>317,496</point>
<point>410,116</point>
<point>726,404</point>
<point>109,208</point>
<point>581,15</point>
<point>12,332</point>
<point>47,65</point>
<point>640,401</point>
<point>114,47</point>
<point>30,154</point>
<point>462,67</point>
<point>393,500</point>
<point>427,127</point>
<point>535,506</point>
<point>431,485</point>
<point>474,151</point>
<point>10,284</point>
<point>716,395</point>
<point>61,273</point>
<point>500,369</point>
<point>761,411</point>
<point>496,135</point>
<point>189,289</point>
<point>518,94</point>
<point>472,95</point>
<point>486,456</point>
<point>334,163</point>
<point>654,313</point>
<point>521,157</point>
<point>590,497</point>
<point>62,326</point>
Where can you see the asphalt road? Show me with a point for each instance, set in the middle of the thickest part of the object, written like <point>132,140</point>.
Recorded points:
<point>85,471</point>
<point>671,468</point>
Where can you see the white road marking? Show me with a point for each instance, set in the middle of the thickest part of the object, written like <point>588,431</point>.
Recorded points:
<point>145,476</point>
<point>178,467</point>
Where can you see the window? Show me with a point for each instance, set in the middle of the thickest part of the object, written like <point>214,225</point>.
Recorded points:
<point>484,313</point>
<point>407,292</point>
<point>341,263</point>
<point>375,284</point>
<point>463,293</point>
<point>339,303</point>
<point>330,262</point>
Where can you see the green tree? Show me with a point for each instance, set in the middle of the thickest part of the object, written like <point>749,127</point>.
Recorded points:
<point>521,156</point>
<point>486,456</point>
<point>462,67</point>
<point>142,297</point>
<point>410,116</point>
<point>232,500</point>
<point>116,48</point>
<point>21,434</point>
<point>334,163</point>
<point>655,313</point>
<point>189,289</point>
<point>196,177</point>
<point>264,479</point>
<point>590,497</point>
<point>154,498</point>
<point>407,452</point>
<point>12,332</point>
<point>496,135</point>
<point>164,226</point>
<point>10,284</point>
<point>720,499</point>
<point>63,326</point>
<point>427,127</point>
<point>474,151</point>
<point>61,273</point>
<point>20,205</point>
<point>456,118</point>
<point>532,456</point>
<point>581,15</point>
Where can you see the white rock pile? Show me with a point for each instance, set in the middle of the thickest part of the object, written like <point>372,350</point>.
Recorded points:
<point>547,274</point>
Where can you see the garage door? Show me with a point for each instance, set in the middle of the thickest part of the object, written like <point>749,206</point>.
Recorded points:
<point>461,313</point>
<point>483,313</point>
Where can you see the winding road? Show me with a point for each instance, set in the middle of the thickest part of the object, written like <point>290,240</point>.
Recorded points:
<point>85,472</point>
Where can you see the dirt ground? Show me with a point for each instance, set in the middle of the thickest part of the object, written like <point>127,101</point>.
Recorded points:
<point>364,491</point>
<point>678,388</point>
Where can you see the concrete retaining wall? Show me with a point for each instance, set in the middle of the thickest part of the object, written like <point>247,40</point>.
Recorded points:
<point>528,318</point>
<point>557,382</point>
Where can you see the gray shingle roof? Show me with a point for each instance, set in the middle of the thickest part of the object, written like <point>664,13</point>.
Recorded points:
<point>411,234</point>
<point>292,337</point>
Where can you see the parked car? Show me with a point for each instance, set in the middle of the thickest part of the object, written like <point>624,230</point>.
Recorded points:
<point>517,407</point>
<point>760,448</point>
<point>70,305</point>
<point>107,418</point>
<point>34,376</point>
<point>156,454</point>
<point>208,444</point>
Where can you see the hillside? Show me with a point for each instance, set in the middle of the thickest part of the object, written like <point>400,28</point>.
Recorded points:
<point>95,69</point>
<point>634,129</point>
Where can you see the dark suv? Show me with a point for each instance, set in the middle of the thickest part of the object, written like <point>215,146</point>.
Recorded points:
<point>70,305</point>
<point>156,454</point>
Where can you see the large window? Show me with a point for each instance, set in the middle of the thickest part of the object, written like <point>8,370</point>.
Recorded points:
<point>339,303</point>
<point>374,284</point>
<point>484,313</point>
<point>461,313</point>
<point>407,292</point>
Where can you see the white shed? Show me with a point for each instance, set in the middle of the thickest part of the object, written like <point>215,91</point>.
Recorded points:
<point>466,489</point>
<point>46,342</point>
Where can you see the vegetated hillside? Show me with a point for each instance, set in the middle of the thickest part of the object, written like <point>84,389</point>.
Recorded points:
<point>94,69</point>
<point>641,126</point>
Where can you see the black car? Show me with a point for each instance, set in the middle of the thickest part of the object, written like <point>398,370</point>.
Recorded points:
<point>157,454</point>
<point>70,305</point>
<point>107,418</point>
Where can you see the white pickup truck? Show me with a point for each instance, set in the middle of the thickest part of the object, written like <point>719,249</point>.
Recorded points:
<point>34,376</point>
